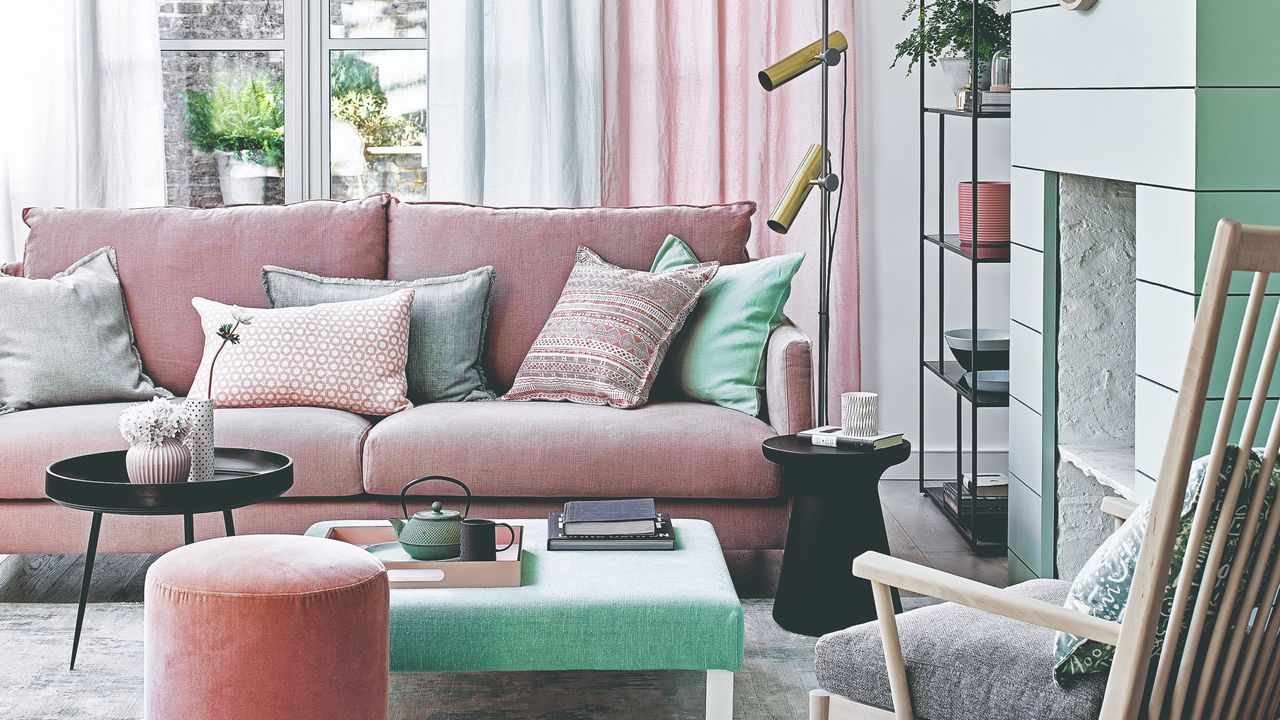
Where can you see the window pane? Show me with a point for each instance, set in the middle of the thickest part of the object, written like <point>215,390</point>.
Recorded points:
<point>224,127</point>
<point>377,130</point>
<point>378,18</point>
<point>221,19</point>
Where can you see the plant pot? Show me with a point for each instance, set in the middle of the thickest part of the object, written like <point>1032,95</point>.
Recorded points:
<point>200,440</point>
<point>993,214</point>
<point>168,462</point>
<point>956,70</point>
<point>242,182</point>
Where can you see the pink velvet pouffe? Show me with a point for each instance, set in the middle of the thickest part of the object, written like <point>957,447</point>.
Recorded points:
<point>266,627</point>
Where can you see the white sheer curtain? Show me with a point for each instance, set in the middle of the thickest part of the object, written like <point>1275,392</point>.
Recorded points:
<point>83,123</point>
<point>515,102</point>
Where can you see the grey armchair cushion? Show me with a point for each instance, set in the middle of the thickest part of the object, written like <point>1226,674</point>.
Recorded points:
<point>963,664</point>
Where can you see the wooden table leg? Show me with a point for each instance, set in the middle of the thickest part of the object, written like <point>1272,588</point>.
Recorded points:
<point>188,529</point>
<point>229,523</point>
<point>89,555</point>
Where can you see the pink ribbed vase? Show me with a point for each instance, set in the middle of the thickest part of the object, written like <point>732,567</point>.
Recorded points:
<point>169,462</point>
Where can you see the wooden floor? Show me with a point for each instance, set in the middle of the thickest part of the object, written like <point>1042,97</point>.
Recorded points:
<point>917,532</point>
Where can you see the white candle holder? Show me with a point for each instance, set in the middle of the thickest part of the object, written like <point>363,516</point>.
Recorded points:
<point>860,413</point>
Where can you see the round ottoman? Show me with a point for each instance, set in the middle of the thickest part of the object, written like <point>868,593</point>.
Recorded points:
<point>266,626</point>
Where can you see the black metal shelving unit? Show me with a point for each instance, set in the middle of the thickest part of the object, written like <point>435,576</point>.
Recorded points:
<point>983,522</point>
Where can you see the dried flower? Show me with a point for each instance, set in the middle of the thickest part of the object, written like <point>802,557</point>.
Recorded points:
<point>228,333</point>
<point>241,316</point>
<point>151,423</point>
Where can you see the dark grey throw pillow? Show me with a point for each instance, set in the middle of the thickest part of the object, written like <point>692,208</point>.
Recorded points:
<point>68,341</point>
<point>447,324</point>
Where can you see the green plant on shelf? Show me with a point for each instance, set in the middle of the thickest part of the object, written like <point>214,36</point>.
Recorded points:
<point>246,121</point>
<point>357,97</point>
<point>948,31</point>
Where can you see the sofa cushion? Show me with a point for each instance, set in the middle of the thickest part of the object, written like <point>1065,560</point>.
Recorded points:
<point>565,450</point>
<point>962,664</point>
<point>533,250</point>
<point>169,255</point>
<point>325,444</point>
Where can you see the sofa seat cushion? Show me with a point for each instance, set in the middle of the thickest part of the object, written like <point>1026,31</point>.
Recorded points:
<point>962,664</point>
<point>325,444</point>
<point>565,450</point>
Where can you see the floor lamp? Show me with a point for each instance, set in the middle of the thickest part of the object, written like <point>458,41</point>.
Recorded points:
<point>814,170</point>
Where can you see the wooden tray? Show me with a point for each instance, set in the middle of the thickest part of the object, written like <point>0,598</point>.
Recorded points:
<point>405,572</point>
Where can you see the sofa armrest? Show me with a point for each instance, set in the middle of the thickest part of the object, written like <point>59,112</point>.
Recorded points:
<point>788,382</point>
<point>13,268</point>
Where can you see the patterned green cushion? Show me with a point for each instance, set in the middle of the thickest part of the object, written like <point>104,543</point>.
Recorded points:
<point>1102,587</point>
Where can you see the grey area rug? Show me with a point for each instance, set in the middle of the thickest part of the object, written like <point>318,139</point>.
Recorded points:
<point>35,643</point>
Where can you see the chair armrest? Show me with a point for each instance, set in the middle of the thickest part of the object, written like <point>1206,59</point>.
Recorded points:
<point>881,568</point>
<point>1118,507</point>
<point>788,380</point>
<point>13,268</point>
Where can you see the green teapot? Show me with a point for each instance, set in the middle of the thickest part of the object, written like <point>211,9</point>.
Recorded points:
<point>431,534</point>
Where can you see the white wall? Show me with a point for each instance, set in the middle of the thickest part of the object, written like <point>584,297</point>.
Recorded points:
<point>888,196</point>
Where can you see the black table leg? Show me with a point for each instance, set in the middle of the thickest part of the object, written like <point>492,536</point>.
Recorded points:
<point>188,529</point>
<point>834,519</point>
<point>229,523</point>
<point>89,555</point>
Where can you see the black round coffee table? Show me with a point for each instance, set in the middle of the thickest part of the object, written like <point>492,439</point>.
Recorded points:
<point>835,517</point>
<point>98,483</point>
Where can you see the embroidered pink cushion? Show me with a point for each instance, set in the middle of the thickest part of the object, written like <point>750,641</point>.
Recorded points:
<point>606,337</point>
<point>347,355</point>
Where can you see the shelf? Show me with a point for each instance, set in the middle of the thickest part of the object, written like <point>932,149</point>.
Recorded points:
<point>982,115</point>
<point>987,533</point>
<point>953,375</point>
<point>951,243</point>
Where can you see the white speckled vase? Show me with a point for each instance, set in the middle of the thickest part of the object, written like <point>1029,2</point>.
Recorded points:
<point>168,462</point>
<point>200,439</point>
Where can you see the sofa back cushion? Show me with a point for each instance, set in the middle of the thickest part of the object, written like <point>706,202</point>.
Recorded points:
<point>533,251</point>
<point>167,256</point>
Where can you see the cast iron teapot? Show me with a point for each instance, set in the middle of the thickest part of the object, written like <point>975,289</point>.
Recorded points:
<point>431,534</point>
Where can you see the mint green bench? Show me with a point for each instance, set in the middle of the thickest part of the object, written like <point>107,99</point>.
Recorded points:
<point>639,610</point>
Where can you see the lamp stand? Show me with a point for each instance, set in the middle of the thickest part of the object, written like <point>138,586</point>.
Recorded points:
<point>824,253</point>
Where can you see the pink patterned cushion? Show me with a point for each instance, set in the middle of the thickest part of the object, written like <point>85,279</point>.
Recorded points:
<point>607,335</point>
<point>348,355</point>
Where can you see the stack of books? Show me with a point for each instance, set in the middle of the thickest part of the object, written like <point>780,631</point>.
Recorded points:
<point>832,436</point>
<point>988,101</point>
<point>992,498</point>
<point>610,525</point>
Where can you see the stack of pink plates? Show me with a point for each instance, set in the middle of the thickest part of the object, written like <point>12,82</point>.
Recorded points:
<point>993,218</point>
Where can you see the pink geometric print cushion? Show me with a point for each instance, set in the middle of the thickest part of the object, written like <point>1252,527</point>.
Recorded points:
<point>347,355</point>
<point>607,336</point>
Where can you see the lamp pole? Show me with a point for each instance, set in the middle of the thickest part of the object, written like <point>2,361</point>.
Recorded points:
<point>824,262</point>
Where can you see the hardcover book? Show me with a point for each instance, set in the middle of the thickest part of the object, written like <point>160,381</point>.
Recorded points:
<point>610,517</point>
<point>663,539</point>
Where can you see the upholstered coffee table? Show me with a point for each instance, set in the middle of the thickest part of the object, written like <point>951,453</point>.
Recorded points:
<point>583,610</point>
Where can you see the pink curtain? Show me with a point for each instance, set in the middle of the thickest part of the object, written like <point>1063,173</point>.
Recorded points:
<point>686,121</point>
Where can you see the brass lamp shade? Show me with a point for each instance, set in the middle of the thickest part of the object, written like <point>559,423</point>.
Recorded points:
<point>793,197</point>
<point>800,61</point>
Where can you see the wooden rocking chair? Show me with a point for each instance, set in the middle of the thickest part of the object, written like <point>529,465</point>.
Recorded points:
<point>988,653</point>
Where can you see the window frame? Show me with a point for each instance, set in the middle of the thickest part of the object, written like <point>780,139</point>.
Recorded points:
<point>307,48</point>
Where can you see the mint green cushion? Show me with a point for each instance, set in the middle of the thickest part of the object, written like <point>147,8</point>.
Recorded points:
<point>719,355</point>
<point>577,610</point>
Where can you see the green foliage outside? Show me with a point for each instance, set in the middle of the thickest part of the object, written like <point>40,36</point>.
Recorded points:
<point>247,121</point>
<point>356,96</point>
<point>948,31</point>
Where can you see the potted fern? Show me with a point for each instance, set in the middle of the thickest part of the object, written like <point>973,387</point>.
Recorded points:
<point>244,129</point>
<point>946,36</point>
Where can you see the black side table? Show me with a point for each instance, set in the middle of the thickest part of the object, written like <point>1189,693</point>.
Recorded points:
<point>835,517</point>
<point>98,483</point>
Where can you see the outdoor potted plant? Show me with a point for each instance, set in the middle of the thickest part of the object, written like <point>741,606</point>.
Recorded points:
<point>363,131</point>
<point>947,36</point>
<point>244,129</point>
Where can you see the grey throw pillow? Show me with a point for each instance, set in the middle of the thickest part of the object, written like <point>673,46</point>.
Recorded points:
<point>68,341</point>
<point>447,324</point>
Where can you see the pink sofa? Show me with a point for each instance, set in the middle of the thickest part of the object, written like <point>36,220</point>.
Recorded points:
<point>521,459</point>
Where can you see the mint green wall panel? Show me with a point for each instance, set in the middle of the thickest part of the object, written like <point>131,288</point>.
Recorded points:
<point>1238,138</point>
<point>1049,401</point>
<point>1209,423</point>
<point>1251,208</point>
<point>1236,43</point>
<point>1232,319</point>
<point>1025,529</point>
